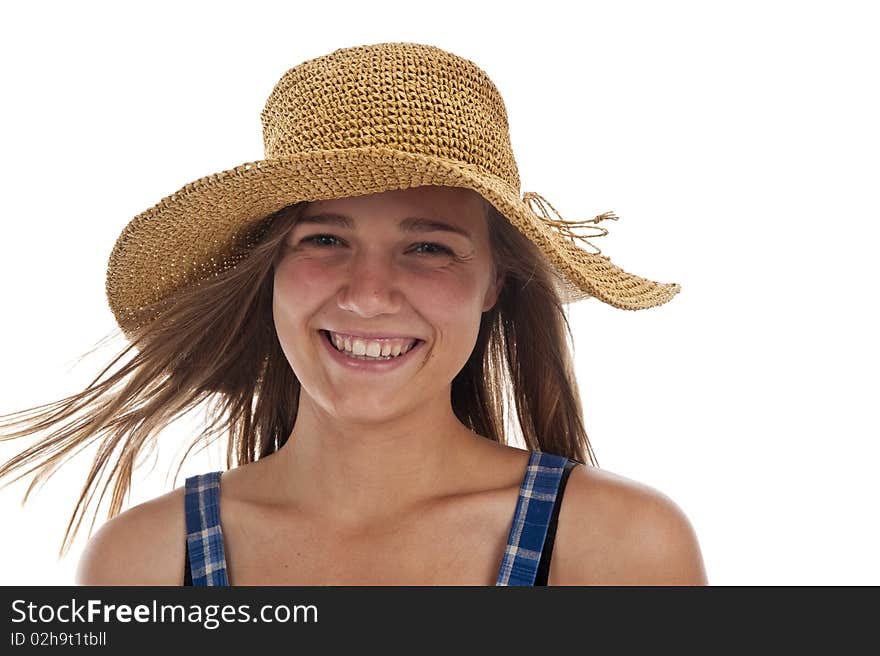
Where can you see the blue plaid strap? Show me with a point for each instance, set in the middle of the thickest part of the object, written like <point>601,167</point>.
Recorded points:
<point>534,508</point>
<point>204,539</point>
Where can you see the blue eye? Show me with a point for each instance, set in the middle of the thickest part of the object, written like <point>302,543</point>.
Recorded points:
<point>442,250</point>
<point>314,237</point>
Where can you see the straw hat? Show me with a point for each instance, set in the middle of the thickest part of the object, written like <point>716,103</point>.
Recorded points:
<point>360,120</point>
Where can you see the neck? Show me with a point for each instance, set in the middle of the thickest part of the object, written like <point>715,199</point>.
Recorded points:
<point>356,473</point>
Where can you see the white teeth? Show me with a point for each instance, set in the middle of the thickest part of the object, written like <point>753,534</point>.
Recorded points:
<point>370,348</point>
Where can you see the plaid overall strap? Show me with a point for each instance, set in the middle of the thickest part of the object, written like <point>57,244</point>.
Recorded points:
<point>204,539</point>
<point>534,508</point>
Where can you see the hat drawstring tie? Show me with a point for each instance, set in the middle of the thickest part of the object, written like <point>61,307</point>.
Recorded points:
<point>566,227</point>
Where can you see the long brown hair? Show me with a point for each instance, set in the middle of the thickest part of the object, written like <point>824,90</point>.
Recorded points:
<point>214,344</point>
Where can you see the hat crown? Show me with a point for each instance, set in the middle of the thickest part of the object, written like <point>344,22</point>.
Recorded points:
<point>404,96</point>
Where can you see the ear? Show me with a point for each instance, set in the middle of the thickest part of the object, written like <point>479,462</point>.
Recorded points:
<point>492,293</point>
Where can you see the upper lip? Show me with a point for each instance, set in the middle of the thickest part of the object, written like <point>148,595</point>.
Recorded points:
<point>371,335</point>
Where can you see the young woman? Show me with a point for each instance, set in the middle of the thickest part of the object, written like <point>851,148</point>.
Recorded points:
<point>363,307</point>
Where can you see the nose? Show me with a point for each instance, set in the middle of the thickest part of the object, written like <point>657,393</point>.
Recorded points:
<point>371,288</point>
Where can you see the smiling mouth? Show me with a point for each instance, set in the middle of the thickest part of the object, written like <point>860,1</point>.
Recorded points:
<point>377,358</point>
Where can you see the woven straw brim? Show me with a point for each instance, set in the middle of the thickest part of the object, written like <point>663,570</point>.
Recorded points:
<point>198,230</point>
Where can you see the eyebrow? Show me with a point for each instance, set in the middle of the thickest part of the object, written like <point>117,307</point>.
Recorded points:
<point>410,224</point>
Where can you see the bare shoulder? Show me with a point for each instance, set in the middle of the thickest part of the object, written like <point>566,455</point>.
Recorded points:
<point>616,531</point>
<point>144,545</point>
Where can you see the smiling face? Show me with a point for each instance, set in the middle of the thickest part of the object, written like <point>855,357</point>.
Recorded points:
<point>383,265</point>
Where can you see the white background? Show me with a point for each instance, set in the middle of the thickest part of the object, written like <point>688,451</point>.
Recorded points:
<point>737,142</point>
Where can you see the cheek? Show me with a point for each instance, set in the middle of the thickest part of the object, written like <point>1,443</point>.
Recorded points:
<point>457,291</point>
<point>296,298</point>
<point>297,295</point>
<point>453,305</point>
<point>299,285</point>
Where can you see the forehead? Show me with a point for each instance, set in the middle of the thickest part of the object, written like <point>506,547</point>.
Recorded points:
<point>447,204</point>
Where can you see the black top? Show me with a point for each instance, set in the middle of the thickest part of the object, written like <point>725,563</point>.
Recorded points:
<point>187,570</point>
<point>546,553</point>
